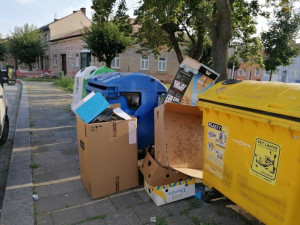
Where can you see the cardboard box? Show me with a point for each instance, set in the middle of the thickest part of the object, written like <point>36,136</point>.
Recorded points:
<point>179,138</point>
<point>172,192</point>
<point>204,79</point>
<point>157,175</point>
<point>107,156</point>
<point>191,79</point>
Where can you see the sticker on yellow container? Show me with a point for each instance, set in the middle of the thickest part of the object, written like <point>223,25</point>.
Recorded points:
<point>265,160</point>
<point>215,150</point>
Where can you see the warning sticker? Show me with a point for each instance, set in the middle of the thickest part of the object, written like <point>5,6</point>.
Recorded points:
<point>265,160</point>
<point>215,149</point>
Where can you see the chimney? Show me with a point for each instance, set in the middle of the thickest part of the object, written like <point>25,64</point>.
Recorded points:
<point>55,20</point>
<point>83,10</point>
<point>74,11</point>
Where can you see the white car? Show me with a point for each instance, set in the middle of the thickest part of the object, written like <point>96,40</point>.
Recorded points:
<point>8,76</point>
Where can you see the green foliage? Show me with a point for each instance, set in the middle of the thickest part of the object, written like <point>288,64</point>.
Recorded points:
<point>67,83</point>
<point>106,41</point>
<point>108,38</point>
<point>167,24</point>
<point>247,47</point>
<point>26,44</point>
<point>3,50</point>
<point>161,221</point>
<point>279,39</point>
<point>34,165</point>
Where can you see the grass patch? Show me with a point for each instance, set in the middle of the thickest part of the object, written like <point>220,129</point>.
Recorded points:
<point>193,204</point>
<point>161,221</point>
<point>100,216</point>
<point>67,206</point>
<point>34,165</point>
<point>37,79</point>
<point>184,211</point>
<point>35,210</point>
<point>196,220</point>
<point>66,83</point>
<point>208,223</point>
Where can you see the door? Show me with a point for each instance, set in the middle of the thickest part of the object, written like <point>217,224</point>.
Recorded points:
<point>64,63</point>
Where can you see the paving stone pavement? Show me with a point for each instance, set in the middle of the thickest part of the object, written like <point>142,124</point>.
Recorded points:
<point>13,94</point>
<point>62,197</point>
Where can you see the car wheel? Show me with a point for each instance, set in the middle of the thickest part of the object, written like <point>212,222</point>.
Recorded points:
<point>5,131</point>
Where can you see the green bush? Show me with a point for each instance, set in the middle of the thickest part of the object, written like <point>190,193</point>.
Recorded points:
<point>66,83</point>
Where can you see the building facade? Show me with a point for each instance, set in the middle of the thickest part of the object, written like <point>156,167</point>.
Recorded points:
<point>66,52</point>
<point>63,38</point>
<point>249,71</point>
<point>290,73</point>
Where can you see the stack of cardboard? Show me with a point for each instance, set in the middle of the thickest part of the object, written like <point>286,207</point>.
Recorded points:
<point>178,137</point>
<point>107,150</point>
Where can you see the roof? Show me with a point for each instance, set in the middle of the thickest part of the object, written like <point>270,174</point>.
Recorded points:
<point>73,34</point>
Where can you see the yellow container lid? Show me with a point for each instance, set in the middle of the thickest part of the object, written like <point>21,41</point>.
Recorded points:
<point>272,97</point>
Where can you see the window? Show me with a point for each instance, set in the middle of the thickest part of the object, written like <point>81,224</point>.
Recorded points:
<point>77,60</point>
<point>284,76</point>
<point>46,37</point>
<point>85,59</point>
<point>55,60</point>
<point>116,63</point>
<point>245,72</point>
<point>144,63</point>
<point>239,72</point>
<point>162,64</point>
<point>257,72</point>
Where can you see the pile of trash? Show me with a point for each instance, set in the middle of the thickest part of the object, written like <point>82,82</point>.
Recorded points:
<point>119,113</point>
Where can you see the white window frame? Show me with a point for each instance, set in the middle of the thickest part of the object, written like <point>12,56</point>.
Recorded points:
<point>240,72</point>
<point>77,60</point>
<point>162,64</point>
<point>257,72</point>
<point>144,62</point>
<point>244,72</point>
<point>55,60</point>
<point>115,63</point>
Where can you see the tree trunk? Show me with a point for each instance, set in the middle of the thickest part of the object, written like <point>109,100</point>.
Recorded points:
<point>108,63</point>
<point>221,33</point>
<point>270,79</point>
<point>30,67</point>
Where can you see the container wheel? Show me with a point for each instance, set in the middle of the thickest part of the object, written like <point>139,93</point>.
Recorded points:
<point>5,131</point>
<point>207,197</point>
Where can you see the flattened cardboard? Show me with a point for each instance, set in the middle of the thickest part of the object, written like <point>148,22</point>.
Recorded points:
<point>188,68</point>
<point>108,162</point>
<point>179,138</point>
<point>191,79</point>
<point>172,192</point>
<point>157,175</point>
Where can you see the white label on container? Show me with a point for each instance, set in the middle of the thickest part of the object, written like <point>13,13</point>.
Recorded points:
<point>132,132</point>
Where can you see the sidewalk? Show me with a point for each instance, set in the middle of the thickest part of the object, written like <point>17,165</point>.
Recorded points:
<point>56,178</point>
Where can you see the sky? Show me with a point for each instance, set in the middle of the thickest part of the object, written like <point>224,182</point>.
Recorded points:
<point>41,12</point>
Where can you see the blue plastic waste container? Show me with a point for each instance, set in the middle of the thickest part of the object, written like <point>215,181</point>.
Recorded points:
<point>138,95</point>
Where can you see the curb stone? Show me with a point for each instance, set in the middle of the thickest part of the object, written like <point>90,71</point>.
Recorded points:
<point>18,202</point>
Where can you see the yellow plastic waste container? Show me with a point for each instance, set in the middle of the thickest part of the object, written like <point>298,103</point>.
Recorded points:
<point>252,147</point>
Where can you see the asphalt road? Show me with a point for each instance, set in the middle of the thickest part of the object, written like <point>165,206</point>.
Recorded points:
<point>13,97</point>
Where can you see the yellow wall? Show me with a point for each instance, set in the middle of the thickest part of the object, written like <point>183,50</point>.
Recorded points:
<point>68,24</point>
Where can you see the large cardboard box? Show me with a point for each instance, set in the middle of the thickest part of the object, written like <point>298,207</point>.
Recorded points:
<point>107,156</point>
<point>157,175</point>
<point>179,138</point>
<point>172,192</point>
<point>191,79</point>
